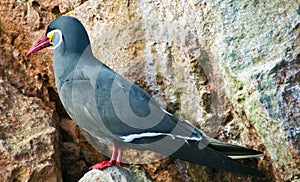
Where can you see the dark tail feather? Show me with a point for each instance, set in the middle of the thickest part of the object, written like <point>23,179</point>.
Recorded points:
<point>234,151</point>
<point>212,158</point>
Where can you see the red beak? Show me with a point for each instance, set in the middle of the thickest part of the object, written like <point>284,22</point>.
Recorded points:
<point>42,43</point>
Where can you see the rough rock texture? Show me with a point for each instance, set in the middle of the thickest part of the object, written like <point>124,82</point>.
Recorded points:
<point>117,173</point>
<point>28,138</point>
<point>230,67</point>
<point>76,153</point>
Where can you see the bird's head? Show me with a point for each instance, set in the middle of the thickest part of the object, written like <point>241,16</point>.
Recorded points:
<point>64,34</point>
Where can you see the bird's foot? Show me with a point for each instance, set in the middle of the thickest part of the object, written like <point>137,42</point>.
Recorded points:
<point>115,159</point>
<point>104,164</point>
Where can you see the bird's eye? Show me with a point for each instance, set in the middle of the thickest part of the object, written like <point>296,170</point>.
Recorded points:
<point>55,38</point>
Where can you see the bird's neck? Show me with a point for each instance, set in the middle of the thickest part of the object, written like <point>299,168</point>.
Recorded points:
<point>65,63</point>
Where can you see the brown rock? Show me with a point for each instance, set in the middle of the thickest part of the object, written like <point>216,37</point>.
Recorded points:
<point>28,150</point>
<point>228,67</point>
<point>77,155</point>
<point>231,68</point>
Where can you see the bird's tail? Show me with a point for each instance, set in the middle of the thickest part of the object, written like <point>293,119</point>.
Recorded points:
<point>234,151</point>
<point>216,155</point>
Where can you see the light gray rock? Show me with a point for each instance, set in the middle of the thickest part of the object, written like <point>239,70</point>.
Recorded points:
<point>117,174</point>
<point>230,67</point>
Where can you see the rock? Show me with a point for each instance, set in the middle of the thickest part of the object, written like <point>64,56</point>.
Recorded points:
<point>29,139</point>
<point>217,64</point>
<point>230,67</point>
<point>76,153</point>
<point>117,173</point>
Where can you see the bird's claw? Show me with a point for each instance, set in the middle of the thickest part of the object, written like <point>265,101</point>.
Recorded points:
<point>102,165</point>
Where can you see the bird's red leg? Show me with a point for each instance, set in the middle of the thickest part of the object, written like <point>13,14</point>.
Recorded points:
<point>119,158</point>
<point>116,158</point>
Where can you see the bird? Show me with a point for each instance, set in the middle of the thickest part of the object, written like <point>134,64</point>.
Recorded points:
<point>115,111</point>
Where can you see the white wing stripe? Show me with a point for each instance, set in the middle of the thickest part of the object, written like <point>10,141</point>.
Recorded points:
<point>245,156</point>
<point>131,137</point>
<point>165,111</point>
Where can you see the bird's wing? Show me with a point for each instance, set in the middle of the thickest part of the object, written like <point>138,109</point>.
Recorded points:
<point>133,116</point>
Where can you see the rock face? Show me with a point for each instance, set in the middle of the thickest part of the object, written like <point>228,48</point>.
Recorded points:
<point>28,140</point>
<point>230,67</point>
